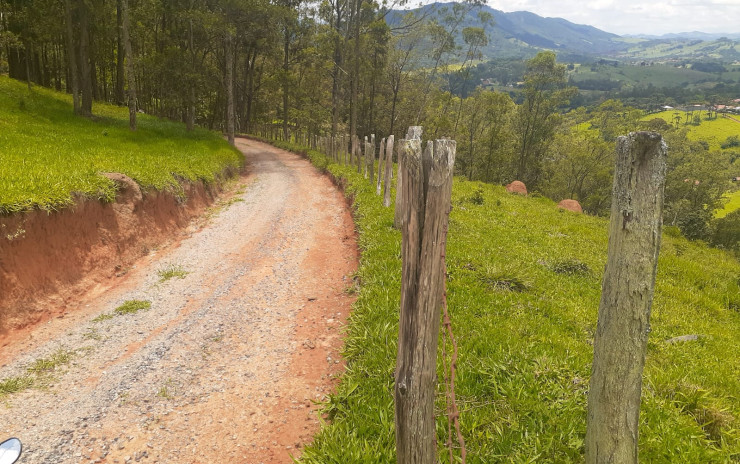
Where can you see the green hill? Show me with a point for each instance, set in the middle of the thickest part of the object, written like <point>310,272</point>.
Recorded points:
<point>523,290</point>
<point>47,154</point>
<point>714,131</point>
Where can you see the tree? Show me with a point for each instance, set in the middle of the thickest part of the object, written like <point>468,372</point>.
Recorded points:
<point>696,181</point>
<point>580,167</point>
<point>537,118</point>
<point>129,65</point>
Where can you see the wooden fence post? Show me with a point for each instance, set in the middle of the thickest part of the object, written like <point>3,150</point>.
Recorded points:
<point>371,159</point>
<point>381,152</point>
<point>623,324</point>
<point>427,190</point>
<point>365,155</point>
<point>413,132</point>
<point>358,156</point>
<point>388,171</point>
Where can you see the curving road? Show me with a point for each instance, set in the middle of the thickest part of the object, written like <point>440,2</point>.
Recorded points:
<point>227,363</point>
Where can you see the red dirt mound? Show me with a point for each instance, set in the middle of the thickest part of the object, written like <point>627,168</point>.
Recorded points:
<point>571,205</point>
<point>63,253</point>
<point>517,187</point>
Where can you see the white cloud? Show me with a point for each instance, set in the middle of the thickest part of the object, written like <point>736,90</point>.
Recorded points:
<point>636,16</point>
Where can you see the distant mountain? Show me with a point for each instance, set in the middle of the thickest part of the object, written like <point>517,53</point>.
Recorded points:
<point>695,35</point>
<point>522,34</point>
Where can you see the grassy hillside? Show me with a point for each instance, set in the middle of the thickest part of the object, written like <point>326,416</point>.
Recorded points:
<point>722,49</point>
<point>47,153</point>
<point>524,286</point>
<point>713,132</point>
<point>658,75</point>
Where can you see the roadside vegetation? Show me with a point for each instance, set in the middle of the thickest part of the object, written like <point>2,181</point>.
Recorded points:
<point>49,155</point>
<point>38,373</point>
<point>523,287</point>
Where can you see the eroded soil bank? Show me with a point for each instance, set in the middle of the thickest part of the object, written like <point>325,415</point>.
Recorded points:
<point>47,259</point>
<point>227,363</point>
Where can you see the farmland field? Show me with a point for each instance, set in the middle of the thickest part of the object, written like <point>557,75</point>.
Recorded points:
<point>47,154</point>
<point>714,132</point>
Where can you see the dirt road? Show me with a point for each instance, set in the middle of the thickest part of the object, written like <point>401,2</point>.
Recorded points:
<point>227,362</point>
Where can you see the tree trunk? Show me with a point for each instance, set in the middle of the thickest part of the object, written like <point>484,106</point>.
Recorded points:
<point>623,324</point>
<point>286,68</point>
<point>129,65</point>
<point>355,79</point>
<point>427,191</point>
<point>229,55</point>
<point>120,56</point>
<point>85,73</point>
<point>71,57</point>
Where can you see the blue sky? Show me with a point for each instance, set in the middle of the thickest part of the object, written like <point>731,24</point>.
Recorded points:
<point>637,16</point>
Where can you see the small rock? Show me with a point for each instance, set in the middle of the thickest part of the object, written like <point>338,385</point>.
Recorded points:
<point>683,338</point>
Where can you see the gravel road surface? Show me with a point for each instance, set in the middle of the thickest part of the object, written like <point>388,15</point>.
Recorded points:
<point>227,363</point>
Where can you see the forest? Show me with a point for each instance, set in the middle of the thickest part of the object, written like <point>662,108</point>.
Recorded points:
<point>340,67</point>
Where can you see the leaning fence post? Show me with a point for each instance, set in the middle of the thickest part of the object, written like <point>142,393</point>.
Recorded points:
<point>627,290</point>
<point>381,152</point>
<point>388,171</point>
<point>427,190</point>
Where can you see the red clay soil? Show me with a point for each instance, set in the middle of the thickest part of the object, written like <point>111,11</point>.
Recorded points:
<point>47,259</point>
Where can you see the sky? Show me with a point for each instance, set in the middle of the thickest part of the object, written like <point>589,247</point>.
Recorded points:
<point>622,17</point>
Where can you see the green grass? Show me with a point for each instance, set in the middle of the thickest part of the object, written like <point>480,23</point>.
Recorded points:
<point>733,203</point>
<point>37,373</point>
<point>524,287</point>
<point>49,155</point>
<point>172,271</point>
<point>57,359</point>
<point>132,307</point>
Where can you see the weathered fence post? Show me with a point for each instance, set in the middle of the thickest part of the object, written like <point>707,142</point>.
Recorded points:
<point>371,159</point>
<point>358,156</point>
<point>623,324</point>
<point>365,155</point>
<point>427,190</point>
<point>388,171</point>
<point>398,218</point>
<point>381,152</point>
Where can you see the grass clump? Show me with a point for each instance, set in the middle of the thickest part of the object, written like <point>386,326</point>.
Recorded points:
<point>525,356</point>
<point>44,365</point>
<point>496,280</point>
<point>15,384</point>
<point>49,154</point>
<point>570,267</point>
<point>103,317</point>
<point>172,271</point>
<point>132,307</point>
<point>37,373</point>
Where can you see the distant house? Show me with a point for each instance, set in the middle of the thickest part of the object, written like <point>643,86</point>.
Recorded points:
<point>666,107</point>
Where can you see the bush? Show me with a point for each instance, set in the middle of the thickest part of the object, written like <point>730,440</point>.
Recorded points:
<point>694,225</point>
<point>726,232</point>
<point>731,142</point>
